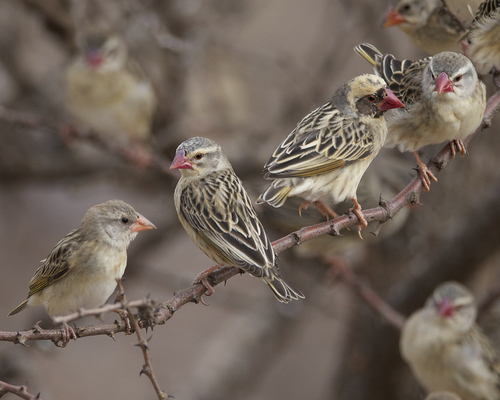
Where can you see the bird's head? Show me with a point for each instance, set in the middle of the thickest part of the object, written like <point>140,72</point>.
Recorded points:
<point>409,13</point>
<point>105,53</point>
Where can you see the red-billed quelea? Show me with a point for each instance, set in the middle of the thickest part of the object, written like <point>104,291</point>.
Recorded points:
<point>82,269</point>
<point>326,155</point>
<point>217,214</point>
<point>427,23</point>
<point>483,38</point>
<point>445,348</point>
<point>443,97</point>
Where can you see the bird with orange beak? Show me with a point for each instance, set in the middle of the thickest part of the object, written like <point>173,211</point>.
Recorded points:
<point>428,24</point>
<point>443,97</point>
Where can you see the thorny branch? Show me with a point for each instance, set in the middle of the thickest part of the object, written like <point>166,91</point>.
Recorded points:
<point>165,311</point>
<point>20,391</point>
<point>147,369</point>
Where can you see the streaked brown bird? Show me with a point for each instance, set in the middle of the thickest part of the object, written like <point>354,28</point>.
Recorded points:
<point>326,155</point>
<point>82,269</point>
<point>443,97</point>
<point>218,216</point>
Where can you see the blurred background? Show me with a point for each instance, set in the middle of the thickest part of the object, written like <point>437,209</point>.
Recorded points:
<point>242,73</point>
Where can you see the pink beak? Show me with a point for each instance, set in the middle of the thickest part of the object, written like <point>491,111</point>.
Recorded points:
<point>94,59</point>
<point>445,308</point>
<point>443,83</point>
<point>142,224</point>
<point>390,101</point>
<point>181,161</point>
<point>393,18</point>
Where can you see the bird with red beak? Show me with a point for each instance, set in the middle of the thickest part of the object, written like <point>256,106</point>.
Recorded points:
<point>428,24</point>
<point>443,97</point>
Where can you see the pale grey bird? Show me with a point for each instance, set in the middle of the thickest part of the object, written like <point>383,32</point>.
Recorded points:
<point>483,38</point>
<point>82,269</point>
<point>217,214</point>
<point>429,24</point>
<point>443,97</point>
<point>445,348</point>
<point>326,155</point>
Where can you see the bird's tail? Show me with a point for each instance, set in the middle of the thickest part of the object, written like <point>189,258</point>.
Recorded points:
<point>19,308</point>
<point>275,195</point>
<point>370,53</point>
<point>281,290</point>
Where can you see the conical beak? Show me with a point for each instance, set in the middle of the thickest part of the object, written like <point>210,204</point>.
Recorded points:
<point>443,83</point>
<point>389,102</point>
<point>181,161</point>
<point>393,18</point>
<point>445,308</point>
<point>142,224</point>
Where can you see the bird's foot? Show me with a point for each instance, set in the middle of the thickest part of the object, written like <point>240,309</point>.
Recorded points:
<point>325,210</point>
<point>125,318</point>
<point>425,174</point>
<point>460,147</point>
<point>304,206</point>
<point>67,333</point>
<point>202,278</point>
<point>356,210</point>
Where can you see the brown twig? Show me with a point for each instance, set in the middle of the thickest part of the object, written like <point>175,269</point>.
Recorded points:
<point>165,311</point>
<point>20,391</point>
<point>366,293</point>
<point>147,368</point>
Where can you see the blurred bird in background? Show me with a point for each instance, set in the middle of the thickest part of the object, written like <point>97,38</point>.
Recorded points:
<point>445,395</point>
<point>218,216</point>
<point>328,152</point>
<point>82,269</point>
<point>443,98</point>
<point>107,91</point>
<point>445,348</point>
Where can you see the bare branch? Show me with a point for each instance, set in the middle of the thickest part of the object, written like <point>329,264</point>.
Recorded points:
<point>20,391</point>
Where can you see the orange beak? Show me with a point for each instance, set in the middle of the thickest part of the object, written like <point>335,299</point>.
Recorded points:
<point>142,224</point>
<point>393,18</point>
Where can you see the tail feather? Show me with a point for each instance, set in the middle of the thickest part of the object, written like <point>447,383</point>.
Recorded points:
<point>19,308</point>
<point>281,290</point>
<point>275,195</point>
<point>370,53</point>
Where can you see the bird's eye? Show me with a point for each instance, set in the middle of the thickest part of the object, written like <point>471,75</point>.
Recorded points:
<point>458,78</point>
<point>125,220</point>
<point>112,53</point>
<point>371,99</point>
<point>199,156</point>
<point>405,8</point>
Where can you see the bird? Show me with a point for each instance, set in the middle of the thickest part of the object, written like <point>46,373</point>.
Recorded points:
<point>445,348</point>
<point>217,214</point>
<point>483,39</point>
<point>107,91</point>
<point>326,155</point>
<point>82,269</point>
<point>443,97</point>
<point>429,24</point>
<point>443,395</point>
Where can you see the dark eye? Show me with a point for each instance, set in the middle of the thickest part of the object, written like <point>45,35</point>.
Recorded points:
<point>199,156</point>
<point>405,8</point>
<point>371,99</point>
<point>125,220</point>
<point>458,78</point>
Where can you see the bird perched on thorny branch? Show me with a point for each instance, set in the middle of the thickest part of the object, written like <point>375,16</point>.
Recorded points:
<point>443,98</point>
<point>483,39</point>
<point>445,348</point>
<point>82,269</point>
<point>107,91</point>
<point>326,155</point>
<point>218,216</point>
<point>429,24</point>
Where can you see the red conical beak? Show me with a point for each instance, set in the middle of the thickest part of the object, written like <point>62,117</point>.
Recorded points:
<point>142,224</point>
<point>181,161</point>
<point>389,102</point>
<point>445,308</point>
<point>94,58</point>
<point>393,18</point>
<point>443,83</point>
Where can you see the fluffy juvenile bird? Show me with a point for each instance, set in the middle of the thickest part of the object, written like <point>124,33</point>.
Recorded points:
<point>326,155</point>
<point>443,97</point>
<point>218,216</point>
<point>107,91</point>
<point>446,349</point>
<point>483,38</point>
<point>82,269</point>
<point>428,24</point>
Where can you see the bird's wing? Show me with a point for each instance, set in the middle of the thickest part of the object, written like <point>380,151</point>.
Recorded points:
<point>486,9</point>
<point>323,141</point>
<point>56,265</point>
<point>220,211</point>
